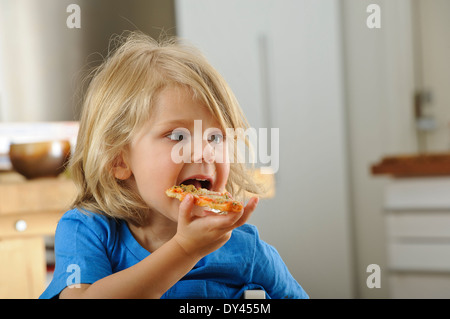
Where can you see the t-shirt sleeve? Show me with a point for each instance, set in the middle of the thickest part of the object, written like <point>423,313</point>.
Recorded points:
<point>80,252</point>
<point>271,272</point>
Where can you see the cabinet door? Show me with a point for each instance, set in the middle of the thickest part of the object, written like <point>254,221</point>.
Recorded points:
<point>22,267</point>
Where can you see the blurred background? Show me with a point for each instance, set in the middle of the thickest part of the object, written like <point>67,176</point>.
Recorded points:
<point>363,113</point>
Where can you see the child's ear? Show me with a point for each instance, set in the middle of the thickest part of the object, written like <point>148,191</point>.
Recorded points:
<point>121,168</point>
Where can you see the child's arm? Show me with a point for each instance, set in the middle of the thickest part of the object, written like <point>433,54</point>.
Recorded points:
<point>152,277</point>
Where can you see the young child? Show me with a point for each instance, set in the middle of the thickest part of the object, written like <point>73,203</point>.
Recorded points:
<point>124,238</point>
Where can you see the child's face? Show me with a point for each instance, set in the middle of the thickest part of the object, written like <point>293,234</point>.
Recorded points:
<point>151,158</point>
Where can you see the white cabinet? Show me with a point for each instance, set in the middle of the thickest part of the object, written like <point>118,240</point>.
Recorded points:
<point>418,230</point>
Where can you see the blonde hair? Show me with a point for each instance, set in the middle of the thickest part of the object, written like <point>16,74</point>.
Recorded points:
<point>118,102</point>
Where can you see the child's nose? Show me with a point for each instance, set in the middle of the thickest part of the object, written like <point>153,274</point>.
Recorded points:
<point>209,153</point>
<point>206,154</point>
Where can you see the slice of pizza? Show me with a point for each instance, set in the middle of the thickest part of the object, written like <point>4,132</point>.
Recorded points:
<point>216,201</point>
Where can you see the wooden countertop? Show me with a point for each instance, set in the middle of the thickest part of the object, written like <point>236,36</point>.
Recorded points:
<point>432,164</point>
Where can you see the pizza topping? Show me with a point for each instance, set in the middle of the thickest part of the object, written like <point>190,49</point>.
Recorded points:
<point>198,183</point>
<point>216,201</point>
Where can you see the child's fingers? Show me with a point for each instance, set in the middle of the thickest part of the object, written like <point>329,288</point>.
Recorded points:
<point>252,203</point>
<point>184,211</point>
<point>220,222</point>
<point>232,220</point>
<point>248,210</point>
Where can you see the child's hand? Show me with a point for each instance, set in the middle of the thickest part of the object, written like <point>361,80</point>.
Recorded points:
<point>199,236</point>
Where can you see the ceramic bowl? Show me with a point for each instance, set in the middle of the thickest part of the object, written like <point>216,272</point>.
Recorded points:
<point>39,159</point>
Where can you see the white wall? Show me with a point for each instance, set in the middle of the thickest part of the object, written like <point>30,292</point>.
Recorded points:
<point>432,34</point>
<point>40,61</point>
<point>308,221</point>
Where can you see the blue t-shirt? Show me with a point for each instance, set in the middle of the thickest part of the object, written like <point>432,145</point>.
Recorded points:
<point>89,247</point>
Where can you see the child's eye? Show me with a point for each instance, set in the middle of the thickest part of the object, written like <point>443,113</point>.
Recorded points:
<point>215,138</point>
<point>178,136</point>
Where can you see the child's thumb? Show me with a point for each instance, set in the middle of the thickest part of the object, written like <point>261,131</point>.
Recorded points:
<point>184,211</point>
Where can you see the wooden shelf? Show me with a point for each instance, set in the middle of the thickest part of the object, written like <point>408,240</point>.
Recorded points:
<point>433,164</point>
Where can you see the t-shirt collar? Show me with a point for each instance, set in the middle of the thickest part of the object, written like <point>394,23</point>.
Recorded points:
<point>133,246</point>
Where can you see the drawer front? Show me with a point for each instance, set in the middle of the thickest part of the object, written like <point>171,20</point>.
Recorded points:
<point>418,193</point>
<point>419,256</point>
<point>418,225</point>
<point>36,195</point>
<point>33,224</point>
<point>419,285</point>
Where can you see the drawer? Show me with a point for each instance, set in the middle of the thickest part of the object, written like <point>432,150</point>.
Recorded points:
<point>418,225</point>
<point>419,285</point>
<point>431,255</point>
<point>37,195</point>
<point>19,225</point>
<point>418,193</point>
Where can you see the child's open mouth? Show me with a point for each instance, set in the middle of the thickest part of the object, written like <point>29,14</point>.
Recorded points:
<point>198,182</point>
